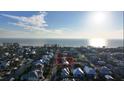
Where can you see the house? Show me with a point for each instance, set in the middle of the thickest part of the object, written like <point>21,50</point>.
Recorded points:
<point>78,73</point>
<point>31,76</point>
<point>104,71</point>
<point>34,75</point>
<point>101,62</point>
<point>108,77</point>
<point>65,72</point>
<point>90,72</point>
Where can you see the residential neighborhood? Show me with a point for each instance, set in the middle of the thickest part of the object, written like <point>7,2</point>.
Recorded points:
<point>58,63</point>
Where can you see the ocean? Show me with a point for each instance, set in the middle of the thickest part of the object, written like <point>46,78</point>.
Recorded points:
<point>61,42</point>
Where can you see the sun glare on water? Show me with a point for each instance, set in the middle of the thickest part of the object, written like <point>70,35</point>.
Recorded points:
<point>97,42</point>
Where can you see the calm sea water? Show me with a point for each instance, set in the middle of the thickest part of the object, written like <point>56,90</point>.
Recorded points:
<point>61,42</point>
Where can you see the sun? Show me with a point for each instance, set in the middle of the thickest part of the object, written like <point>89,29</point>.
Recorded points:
<point>97,42</point>
<point>99,17</point>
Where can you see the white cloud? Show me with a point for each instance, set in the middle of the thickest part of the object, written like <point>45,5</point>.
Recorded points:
<point>35,22</point>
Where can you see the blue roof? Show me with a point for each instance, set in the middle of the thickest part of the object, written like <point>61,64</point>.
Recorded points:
<point>89,70</point>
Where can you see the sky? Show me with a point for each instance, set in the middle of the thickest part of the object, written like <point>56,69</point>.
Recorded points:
<point>61,24</point>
